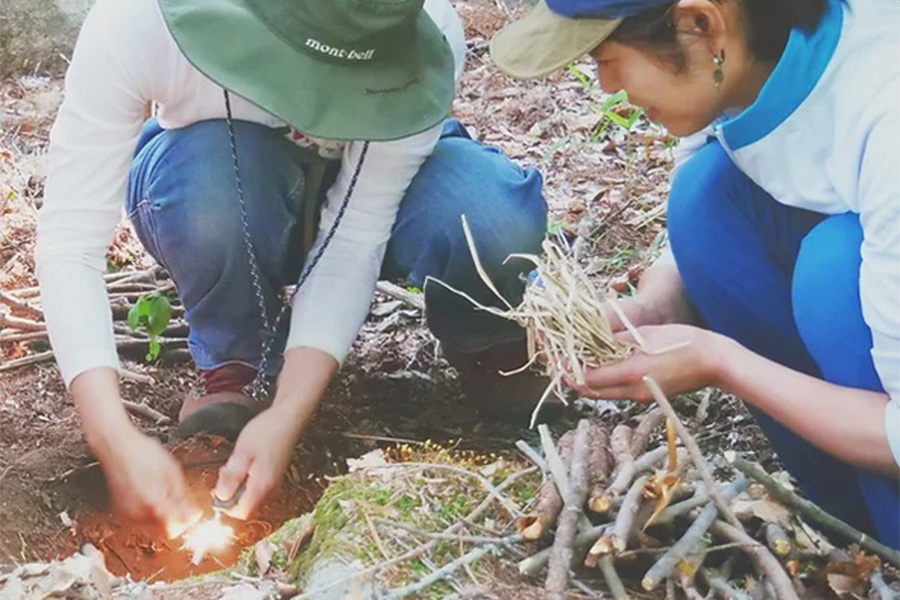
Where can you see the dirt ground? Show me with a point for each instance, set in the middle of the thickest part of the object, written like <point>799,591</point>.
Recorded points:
<point>395,386</point>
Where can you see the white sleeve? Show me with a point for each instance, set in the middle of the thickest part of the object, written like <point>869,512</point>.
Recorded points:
<point>879,193</point>
<point>91,147</point>
<point>332,305</point>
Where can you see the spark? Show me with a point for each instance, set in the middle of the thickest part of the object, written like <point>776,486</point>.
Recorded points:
<point>208,536</point>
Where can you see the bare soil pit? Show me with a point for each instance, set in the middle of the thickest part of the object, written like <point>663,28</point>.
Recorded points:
<point>142,550</point>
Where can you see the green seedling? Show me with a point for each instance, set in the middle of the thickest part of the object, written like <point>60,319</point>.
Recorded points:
<point>152,314</point>
<point>554,227</point>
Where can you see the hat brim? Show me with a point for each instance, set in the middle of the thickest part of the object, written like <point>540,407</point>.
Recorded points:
<point>376,101</point>
<point>543,42</point>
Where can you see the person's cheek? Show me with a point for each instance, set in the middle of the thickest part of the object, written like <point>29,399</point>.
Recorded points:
<point>607,77</point>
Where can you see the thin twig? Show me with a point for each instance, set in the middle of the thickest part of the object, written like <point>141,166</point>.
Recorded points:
<point>416,300</point>
<point>613,581</point>
<point>691,538</point>
<point>532,455</point>
<point>881,589</point>
<point>622,480</point>
<point>764,559</point>
<point>14,338</point>
<point>8,321</point>
<point>454,537</point>
<point>532,565</point>
<point>717,582</point>
<point>810,510</point>
<point>21,305</point>
<point>625,519</point>
<point>146,412</point>
<point>26,361</point>
<point>696,454</point>
<point>555,464</point>
<point>505,502</point>
<point>447,570</point>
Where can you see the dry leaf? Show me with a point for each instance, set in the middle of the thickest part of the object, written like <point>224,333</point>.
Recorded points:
<point>844,586</point>
<point>369,460</point>
<point>306,526</point>
<point>65,518</point>
<point>763,508</point>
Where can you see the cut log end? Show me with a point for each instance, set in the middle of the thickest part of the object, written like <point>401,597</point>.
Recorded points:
<point>530,527</point>
<point>600,504</point>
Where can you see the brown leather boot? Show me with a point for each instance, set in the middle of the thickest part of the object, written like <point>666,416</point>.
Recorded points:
<point>219,404</point>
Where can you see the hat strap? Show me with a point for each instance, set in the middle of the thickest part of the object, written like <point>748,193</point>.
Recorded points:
<point>260,385</point>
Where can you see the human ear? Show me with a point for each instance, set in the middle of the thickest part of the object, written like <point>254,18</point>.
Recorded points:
<point>704,19</point>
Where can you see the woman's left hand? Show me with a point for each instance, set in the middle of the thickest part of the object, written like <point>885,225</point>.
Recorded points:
<point>691,363</point>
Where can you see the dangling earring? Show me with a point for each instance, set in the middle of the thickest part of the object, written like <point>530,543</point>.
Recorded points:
<point>719,74</point>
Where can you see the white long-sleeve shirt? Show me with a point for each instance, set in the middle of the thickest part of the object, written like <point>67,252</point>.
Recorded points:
<point>126,58</point>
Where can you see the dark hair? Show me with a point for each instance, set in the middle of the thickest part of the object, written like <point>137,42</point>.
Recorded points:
<point>769,24</point>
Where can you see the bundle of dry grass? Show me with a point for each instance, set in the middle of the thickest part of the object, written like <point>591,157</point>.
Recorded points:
<point>565,316</point>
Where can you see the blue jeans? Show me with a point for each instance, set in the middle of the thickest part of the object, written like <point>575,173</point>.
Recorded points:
<point>183,202</point>
<point>784,282</point>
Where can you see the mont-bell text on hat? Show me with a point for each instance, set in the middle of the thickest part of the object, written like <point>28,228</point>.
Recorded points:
<point>340,52</point>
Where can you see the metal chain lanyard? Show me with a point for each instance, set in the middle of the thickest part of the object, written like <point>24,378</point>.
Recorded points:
<point>259,388</point>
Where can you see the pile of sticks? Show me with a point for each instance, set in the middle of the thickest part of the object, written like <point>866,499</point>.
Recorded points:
<point>655,518</point>
<point>22,320</point>
<point>22,324</point>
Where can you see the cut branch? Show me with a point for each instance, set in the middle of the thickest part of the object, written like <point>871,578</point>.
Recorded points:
<point>810,510</point>
<point>8,321</point>
<point>561,557</point>
<point>764,560</point>
<point>146,412</point>
<point>691,538</point>
<point>696,454</point>
<point>650,422</point>
<point>395,291</point>
<point>21,305</point>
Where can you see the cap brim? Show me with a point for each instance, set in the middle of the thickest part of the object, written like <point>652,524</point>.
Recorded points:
<point>543,42</point>
<point>375,101</point>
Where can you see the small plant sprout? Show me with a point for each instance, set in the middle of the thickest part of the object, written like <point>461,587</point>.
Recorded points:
<point>151,313</point>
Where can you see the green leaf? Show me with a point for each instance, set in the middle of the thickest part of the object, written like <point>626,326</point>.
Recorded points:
<point>614,100</point>
<point>554,227</point>
<point>134,317</point>
<point>580,76</point>
<point>154,351</point>
<point>160,312</point>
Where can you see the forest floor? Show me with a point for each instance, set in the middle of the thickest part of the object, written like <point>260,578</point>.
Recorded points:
<point>606,180</point>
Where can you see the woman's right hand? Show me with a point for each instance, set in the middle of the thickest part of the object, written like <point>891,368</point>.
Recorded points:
<point>146,483</point>
<point>144,480</point>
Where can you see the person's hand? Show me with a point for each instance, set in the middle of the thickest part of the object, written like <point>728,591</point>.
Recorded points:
<point>146,482</point>
<point>681,358</point>
<point>634,309</point>
<point>261,455</point>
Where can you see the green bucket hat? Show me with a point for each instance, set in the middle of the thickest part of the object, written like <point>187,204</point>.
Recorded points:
<point>334,69</point>
<point>544,41</point>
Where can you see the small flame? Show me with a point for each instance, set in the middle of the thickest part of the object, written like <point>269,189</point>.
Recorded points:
<point>207,536</point>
